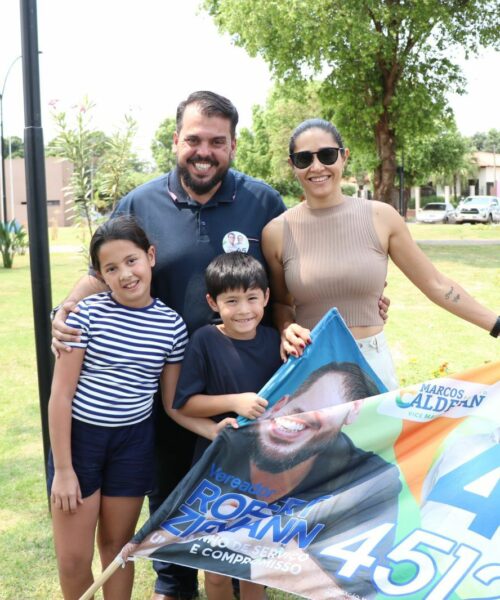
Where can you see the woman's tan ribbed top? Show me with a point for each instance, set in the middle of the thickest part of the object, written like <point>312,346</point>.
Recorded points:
<point>333,257</point>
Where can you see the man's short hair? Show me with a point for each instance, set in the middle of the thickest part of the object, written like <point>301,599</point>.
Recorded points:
<point>211,105</point>
<point>357,383</point>
<point>234,271</point>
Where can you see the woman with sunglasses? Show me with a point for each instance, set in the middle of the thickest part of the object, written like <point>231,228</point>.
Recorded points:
<point>332,250</point>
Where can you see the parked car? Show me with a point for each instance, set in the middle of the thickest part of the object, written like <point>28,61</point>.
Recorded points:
<point>436,212</point>
<point>479,209</point>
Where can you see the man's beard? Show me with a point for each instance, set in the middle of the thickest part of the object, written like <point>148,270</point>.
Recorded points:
<point>200,187</point>
<point>283,462</point>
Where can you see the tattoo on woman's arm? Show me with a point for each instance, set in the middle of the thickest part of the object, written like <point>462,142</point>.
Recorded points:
<point>449,295</point>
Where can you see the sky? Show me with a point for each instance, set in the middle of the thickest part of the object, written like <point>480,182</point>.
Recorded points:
<point>143,58</point>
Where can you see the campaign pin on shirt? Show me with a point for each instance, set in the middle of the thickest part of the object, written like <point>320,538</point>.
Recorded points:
<point>235,241</point>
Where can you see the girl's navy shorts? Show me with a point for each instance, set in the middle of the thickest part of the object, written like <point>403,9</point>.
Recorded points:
<point>119,461</point>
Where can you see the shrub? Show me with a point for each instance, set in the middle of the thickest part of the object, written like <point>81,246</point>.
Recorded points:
<point>13,240</point>
<point>349,189</point>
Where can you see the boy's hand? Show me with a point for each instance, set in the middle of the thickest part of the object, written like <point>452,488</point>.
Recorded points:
<point>61,332</point>
<point>65,493</point>
<point>294,339</point>
<point>249,405</point>
<point>227,422</point>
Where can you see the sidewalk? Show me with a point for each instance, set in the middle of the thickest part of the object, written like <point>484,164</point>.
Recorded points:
<point>57,249</point>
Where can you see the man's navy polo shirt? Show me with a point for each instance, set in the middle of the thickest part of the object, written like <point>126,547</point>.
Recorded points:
<point>188,235</point>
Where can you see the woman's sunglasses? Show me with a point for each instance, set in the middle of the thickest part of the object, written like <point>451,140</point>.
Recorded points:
<point>326,156</point>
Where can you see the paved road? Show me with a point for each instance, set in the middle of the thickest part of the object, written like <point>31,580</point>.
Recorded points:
<point>459,242</point>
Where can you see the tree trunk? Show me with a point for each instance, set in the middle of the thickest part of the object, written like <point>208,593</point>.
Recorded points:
<point>385,172</point>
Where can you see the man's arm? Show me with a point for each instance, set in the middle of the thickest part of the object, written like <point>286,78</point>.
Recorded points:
<point>61,333</point>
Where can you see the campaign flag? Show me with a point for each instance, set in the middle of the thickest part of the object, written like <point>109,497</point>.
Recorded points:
<point>345,490</point>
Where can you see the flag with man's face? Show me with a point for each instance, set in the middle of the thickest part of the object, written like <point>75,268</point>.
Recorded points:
<point>343,491</point>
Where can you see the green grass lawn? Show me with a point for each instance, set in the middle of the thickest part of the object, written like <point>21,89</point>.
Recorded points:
<point>422,337</point>
<point>73,236</point>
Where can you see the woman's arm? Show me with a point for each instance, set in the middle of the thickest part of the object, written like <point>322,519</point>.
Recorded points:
<point>65,493</point>
<point>439,288</point>
<point>199,425</point>
<point>293,337</point>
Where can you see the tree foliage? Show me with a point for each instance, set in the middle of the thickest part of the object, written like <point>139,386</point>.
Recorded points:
<point>13,147</point>
<point>116,169</point>
<point>77,143</point>
<point>386,65</point>
<point>488,141</point>
<point>161,146</point>
<point>263,151</point>
<point>438,156</point>
<point>103,166</point>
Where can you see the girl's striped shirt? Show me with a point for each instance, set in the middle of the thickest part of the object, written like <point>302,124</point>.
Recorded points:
<point>125,352</point>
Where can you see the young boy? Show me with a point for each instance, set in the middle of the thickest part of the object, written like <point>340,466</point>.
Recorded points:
<point>225,365</point>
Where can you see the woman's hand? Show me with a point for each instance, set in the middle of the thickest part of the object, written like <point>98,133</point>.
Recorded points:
<point>294,339</point>
<point>65,493</point>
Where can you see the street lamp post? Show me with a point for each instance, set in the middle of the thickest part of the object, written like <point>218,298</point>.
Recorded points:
<point>2,141</point>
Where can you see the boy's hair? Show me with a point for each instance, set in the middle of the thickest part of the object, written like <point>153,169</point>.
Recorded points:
<point>124,227</point>
<point>234,271</point>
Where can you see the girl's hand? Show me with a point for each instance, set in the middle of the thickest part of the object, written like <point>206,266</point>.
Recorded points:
<point>294,339</point>
<point>65,493</point>
<point>128,550</point>
<point>249,405</point>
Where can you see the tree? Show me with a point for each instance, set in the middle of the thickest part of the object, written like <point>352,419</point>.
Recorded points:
<point>487,141</point>
<point>263,150</point>
<point>385,65</point>
<point>115,175</point>
<point>253,152</point>
<point>78,143</point>
<point>16,146</point>
<point>442,156</point>
<point>161,146</point>
<point>103,166</point>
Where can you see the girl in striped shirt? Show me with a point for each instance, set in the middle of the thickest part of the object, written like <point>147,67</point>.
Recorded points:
<point>100,409</point>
